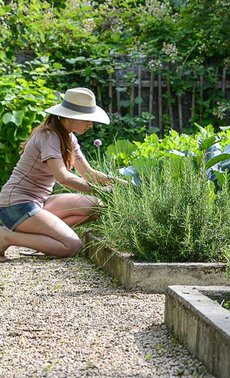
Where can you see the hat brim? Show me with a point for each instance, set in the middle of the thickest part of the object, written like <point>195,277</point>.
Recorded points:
<point>98,116</point>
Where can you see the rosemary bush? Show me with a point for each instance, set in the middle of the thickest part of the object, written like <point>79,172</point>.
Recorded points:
<point>175,215</point>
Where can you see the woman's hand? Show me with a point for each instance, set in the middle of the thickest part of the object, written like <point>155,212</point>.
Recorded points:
<point>122,181</point>
<point>108,188</point>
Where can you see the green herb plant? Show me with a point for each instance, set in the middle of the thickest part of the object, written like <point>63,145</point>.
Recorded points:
<point>174,215</point>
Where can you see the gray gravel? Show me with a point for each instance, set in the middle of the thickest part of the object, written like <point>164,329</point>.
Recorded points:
<point>65,318</point>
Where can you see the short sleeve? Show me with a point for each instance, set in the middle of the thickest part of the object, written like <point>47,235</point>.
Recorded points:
<point>77,149</point>
<point>49,145</point>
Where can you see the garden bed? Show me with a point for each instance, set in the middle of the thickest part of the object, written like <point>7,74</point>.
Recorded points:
<point>152,277</point>
<point>201,324</point>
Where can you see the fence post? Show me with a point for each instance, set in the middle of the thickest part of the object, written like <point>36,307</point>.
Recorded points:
<point>99,94</point>
<point>201,96</point>
<point>170,109</point>
<point>193,100</point>
<point>139,87</point>
<point>151,89</point>
<point>224,78</point>
<point>180,113</point>
<point>118,92</point>
<point>131,106</point>
<point>160,104</point>
<point>110,93</point>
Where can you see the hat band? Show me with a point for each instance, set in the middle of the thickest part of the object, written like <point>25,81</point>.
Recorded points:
<point>78,108</point>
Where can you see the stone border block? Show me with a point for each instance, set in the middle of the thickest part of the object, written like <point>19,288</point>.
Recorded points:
<point>152,277</point>
<point>201,324</point>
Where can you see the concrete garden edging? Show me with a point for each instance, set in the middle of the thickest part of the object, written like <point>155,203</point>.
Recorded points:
<point>201,324</point>
<point>152,277</point>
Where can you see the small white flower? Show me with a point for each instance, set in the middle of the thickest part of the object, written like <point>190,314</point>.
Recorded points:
<point>97,142</point>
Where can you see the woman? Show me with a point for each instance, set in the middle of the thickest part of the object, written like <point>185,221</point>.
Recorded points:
<point>32,217</point>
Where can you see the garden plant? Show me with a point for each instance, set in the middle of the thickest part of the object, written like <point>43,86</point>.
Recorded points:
<point>176,205</point>
<point>169,217</point>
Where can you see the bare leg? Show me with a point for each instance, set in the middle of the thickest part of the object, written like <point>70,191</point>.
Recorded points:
<point>3,243</point>
<point>48,231</point>
<point>73,209</point>
<point>45,232</point>
<point>3,247</point>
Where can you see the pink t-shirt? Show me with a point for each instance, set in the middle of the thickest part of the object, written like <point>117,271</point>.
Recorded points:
<point>31,179</point>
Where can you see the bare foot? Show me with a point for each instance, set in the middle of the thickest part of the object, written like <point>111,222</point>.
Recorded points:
<point>3,243</point>
<point>3,259</point>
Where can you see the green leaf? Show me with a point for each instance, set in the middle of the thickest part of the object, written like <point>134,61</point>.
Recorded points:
<point>208,142</point>
<point>125,103</point>
<point>15,117</point>
<point>116,36</point>
<point>220,176</point>
<point>42,36</point>
<point>144,165</point>
<point>121,89</point>
<point>57,66</point>
<point>4,10</point>
<point>98,61</point>
<point>121,146</point>
<point>9,97</point>
<point>18,117</point>
<point>75,60</point>
<point>216,159</point>
<point>7,118</point>
<point>223,128</point>
<point>202,130</point>
<point>138,100</point>
<point>88,71</point>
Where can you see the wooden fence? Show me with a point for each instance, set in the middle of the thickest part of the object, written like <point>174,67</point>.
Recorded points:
<point>134,89</point>
<point>153,93</point>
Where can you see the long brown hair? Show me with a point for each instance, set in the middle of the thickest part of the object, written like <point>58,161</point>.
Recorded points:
<point>53,123</point>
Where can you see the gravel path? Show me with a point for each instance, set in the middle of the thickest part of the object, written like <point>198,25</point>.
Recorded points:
<point>64,318</point>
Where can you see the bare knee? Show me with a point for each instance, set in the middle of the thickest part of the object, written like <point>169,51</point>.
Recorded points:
<point>72,247</point>
<point>94,209</point>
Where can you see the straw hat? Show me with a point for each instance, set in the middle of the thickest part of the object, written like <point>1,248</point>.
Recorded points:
<point>80,103</point>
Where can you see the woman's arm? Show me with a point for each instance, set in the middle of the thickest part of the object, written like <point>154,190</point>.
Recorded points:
<point>66,178</point>
<point>92,175</point>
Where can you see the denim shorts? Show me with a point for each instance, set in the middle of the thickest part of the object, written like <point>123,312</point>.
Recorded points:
<point>14,215</point>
